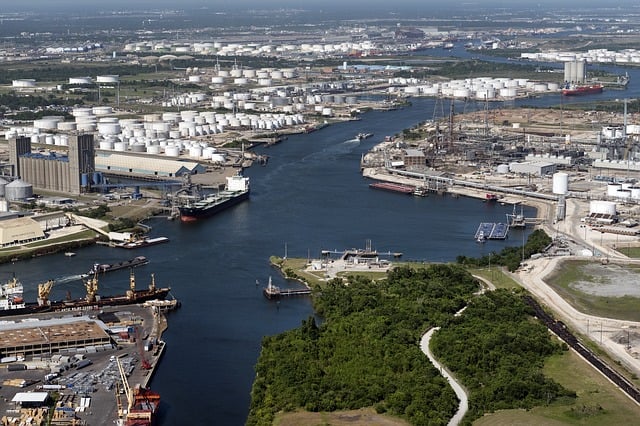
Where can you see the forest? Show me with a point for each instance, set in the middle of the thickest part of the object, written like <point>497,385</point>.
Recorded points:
<point>363,349</point>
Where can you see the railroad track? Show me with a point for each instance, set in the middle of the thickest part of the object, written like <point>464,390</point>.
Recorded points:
<point>561,330</point>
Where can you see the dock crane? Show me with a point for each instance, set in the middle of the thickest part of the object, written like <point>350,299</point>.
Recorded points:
<point>142,403</point>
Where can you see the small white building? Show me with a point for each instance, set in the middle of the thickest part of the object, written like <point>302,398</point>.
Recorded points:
<point>536,168</point>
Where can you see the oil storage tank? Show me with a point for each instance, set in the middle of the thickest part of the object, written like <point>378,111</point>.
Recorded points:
<point>560,183</point>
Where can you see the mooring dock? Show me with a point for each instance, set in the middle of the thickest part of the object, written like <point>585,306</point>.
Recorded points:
<point>492,231</point>
<point>274,292</point>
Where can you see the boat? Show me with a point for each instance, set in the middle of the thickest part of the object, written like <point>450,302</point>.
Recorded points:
<point>394,187</point>
<point>11,296</point>
<point>141,242</point>
<point>578,90</point>
<point>236,191</point>
<point>15,304</point>
<point>362,136</point>
<point>103,268</point>
<point>144,407</point>
<point>491,197</point>
<point>69,254</point>
<point>481,237</point>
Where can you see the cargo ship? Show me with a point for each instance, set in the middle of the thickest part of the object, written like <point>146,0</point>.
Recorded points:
<point>236,191</point>
<point>582,90</point>
<point>103,268</point>
<point>144,407</point>
<point>16,305</point>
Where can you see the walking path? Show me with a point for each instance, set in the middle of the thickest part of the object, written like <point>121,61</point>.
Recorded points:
<point>463,407</point>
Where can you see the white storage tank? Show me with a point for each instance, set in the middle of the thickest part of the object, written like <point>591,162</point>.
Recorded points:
<point>172,151</point>
<point>613,188</point>
<point>217,158</point>
<point>602,207</point>
<point>560,183</point>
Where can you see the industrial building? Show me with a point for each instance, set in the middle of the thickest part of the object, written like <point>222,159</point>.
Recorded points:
<point>54,172</point>
<point>575,71</point>
<point>537,168</point>
<point>145,165</point>
<point>18,231</point>
<point>52,336</point>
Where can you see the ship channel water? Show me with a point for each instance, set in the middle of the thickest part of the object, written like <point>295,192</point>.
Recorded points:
<point>310,196</point>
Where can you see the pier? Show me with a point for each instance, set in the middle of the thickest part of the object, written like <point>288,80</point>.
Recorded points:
<point>272,291</point>
<point>492,231</point>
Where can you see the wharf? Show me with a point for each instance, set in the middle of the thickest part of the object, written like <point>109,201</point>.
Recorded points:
<point>274,292</point>
<point>492,231</point>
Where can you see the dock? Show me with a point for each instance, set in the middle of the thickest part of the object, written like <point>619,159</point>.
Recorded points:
<point>492,231</point>
<point>272,291</point>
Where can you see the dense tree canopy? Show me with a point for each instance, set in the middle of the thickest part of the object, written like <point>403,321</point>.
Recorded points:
<point>366,350</point>
<point>498,353</point>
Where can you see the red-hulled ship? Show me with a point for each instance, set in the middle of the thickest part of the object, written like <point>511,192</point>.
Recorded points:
<point>582,90</point>
<point>145,403</point>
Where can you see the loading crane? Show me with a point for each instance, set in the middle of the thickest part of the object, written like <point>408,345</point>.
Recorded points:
<point>122,411</point>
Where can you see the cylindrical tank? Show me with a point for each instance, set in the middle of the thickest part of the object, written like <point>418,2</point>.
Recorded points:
<point>172,151</point>
<point>602,207</point>
<point>3,183</point>
<point>560,183</point>
<point>18,190</point>
<point>613,188</point>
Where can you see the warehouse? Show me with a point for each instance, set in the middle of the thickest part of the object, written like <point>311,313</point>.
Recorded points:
<point>51,336</point>
<point>534,168</point>
<point>144,165</point>
<point>20,231</point>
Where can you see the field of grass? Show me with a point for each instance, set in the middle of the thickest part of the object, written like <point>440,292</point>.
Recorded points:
<point>598,401</point>
<point>496,276</point>
<point>625,307</point>
<point>633,252</point>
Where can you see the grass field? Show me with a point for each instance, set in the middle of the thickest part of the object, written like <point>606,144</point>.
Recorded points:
<point>632,252</point>
<point>496,276</point>
<point>619,307</point>
<point>598,401</point>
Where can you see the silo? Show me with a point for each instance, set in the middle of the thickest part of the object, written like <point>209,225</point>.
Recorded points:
<point>3,183</point>
<point>18,190</point>
<point>560,183</point>
<point>4,205</point>
<point>172,151</point>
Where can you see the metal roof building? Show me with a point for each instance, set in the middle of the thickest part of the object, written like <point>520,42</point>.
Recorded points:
<point>49,336</point>
<point>20,231</point>
<point>144,165</point>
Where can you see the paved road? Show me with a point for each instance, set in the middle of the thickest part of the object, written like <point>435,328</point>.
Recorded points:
<point>463,407</point>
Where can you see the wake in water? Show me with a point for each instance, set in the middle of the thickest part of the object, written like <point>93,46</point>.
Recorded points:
<point>69,278</point>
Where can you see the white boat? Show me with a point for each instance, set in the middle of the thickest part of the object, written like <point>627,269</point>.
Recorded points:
<point>481,238</point>
<point>69,254</point>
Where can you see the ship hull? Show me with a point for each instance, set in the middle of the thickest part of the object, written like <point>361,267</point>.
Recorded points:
<point>192,214</point>
<point>582,90</point>
<point>110,267</point>
<point>140,296</point>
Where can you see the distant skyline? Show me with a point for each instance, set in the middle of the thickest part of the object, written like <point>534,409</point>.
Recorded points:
<point>381,5</point>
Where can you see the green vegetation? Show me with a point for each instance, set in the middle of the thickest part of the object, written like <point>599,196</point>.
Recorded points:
<point>496,276</point>
<point>622,307</point>
<point>366,353</point>
<point>598,401</point>
<point>476,68</point>
<point>633,252</point>
<point>510,257</point>
<point>498,353</point>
